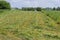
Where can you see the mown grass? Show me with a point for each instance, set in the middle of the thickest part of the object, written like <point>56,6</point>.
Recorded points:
<point>28,25</point>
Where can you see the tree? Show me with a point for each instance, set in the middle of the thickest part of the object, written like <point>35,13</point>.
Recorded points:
<point>58,8</point>
<point>54,8</point>
<point>38,9</point>
<point>28,8</point>
<point>4,5</point>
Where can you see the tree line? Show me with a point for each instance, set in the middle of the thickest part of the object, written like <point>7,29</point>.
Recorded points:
<point>31,9</point>
<point>39,8</point>
<point>58,8</point>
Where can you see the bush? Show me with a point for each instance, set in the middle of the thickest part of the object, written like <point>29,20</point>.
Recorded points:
<point>4,5</point>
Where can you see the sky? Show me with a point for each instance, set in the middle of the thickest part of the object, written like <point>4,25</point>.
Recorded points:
<point>34,3</point>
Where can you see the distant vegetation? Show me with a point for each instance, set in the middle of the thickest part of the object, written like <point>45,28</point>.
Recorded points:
<point>38,8</point>
<point>58,8</point>
<point>31,9</point>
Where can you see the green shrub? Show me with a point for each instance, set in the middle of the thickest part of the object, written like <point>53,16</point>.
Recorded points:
<point>4,5</point>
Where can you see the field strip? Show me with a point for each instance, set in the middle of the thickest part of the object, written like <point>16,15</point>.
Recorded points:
<point>11,36</point>
<point>54,22</point>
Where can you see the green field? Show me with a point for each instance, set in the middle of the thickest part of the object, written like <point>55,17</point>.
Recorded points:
<point>29,25</point>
